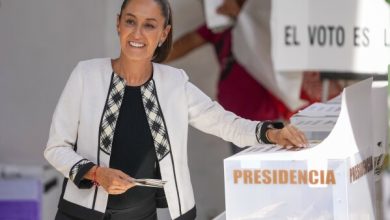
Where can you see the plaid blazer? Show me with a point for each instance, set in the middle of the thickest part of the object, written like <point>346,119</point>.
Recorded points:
<point>83,127</point>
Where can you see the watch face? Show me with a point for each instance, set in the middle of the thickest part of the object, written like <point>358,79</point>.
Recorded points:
<point>278,125</point>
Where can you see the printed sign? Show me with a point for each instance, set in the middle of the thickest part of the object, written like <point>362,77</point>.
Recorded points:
<point>332,35</point>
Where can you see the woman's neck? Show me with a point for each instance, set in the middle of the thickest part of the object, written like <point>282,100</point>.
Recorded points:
<point>135,73</point>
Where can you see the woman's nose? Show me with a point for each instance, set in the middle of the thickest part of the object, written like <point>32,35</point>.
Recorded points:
<point>137,32</point>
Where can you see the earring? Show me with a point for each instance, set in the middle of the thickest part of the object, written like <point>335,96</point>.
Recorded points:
<point>160,44</point>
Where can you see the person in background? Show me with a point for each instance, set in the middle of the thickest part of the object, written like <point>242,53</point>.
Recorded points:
<point>127,118</point>
<point>312,87</point>
<point>237,91</point>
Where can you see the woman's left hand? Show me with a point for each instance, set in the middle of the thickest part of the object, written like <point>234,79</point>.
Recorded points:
<point>287,136</point>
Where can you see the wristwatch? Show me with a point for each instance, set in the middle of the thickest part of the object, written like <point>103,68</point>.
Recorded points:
<point>262,129</point>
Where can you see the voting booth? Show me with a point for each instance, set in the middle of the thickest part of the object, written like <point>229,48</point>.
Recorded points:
<point>334,178</point>
<point>25,191</point>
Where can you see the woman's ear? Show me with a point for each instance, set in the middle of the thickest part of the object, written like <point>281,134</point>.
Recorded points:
<point>118,20</point>
<point>165,33</point>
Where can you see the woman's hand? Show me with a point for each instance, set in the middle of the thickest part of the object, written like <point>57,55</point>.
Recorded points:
<point>287,136</point>
<point>113,181</point>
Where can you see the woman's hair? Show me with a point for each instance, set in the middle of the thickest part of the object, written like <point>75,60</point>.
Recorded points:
<point>161,53</point>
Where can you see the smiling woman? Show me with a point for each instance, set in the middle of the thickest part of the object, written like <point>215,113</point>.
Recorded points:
<point>149,26</point>
<point>144,29</point>
<point>127,118</point>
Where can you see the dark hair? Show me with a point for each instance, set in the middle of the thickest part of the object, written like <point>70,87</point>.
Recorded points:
<point>241,2</point>
<point>161,53</point>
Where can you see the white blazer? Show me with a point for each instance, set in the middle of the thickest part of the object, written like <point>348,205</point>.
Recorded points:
<point>80,137</point>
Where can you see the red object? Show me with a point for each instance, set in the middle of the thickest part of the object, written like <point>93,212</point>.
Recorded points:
<point>238,91</point>
<point>94,181</point>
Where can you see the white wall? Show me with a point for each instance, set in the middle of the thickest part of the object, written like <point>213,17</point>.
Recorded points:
<point>40,43</point>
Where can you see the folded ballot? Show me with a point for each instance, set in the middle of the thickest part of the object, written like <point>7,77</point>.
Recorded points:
<point>215,21</point>
<point>149,182</point>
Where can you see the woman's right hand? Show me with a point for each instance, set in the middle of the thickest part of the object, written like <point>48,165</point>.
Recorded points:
<point>287,136</point>
<point>112,180</point>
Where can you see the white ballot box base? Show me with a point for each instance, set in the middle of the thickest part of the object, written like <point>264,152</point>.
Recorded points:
<point>332,179</point>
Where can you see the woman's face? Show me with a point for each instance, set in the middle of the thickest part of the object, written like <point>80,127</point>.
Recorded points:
<point>141,28</point>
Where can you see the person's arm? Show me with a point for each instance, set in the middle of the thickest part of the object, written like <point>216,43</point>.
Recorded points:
<point>59,150</point>
<point>63,137</point>
<point>209,117</point>
<point>185,44</point>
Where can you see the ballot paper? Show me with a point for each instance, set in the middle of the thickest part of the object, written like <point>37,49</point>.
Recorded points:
<point>274,148</point>
<point>215,21</point>
<point>314,128</point>
<point>335,100</point>
<point>149,182</point>
<point>321,110</point>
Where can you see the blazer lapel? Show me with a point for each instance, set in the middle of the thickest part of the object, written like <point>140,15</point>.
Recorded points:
<point>111,113</point>
<point>155,119</point>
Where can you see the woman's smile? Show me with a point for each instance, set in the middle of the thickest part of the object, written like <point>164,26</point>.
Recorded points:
<point>136,44</point>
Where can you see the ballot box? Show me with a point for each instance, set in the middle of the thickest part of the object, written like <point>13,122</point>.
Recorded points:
<point>331,179</point>
<point>317,120</point>
<point>28,192</point>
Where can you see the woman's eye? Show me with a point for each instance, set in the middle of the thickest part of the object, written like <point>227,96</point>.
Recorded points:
<point>130,22</point>
<point>149,26</point>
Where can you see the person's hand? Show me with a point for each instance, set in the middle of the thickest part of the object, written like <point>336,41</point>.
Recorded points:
<point>312,85</point>
<point>113,181</point>
<point>287,136</point>
<point>229,8</point>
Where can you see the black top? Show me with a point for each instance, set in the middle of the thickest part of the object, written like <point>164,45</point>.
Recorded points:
<point>133,151</point>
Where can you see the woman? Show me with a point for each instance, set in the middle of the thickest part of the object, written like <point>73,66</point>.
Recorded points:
<point>128,118</point>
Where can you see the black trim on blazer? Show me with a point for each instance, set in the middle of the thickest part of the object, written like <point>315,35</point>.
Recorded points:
<point>161,200</point>
<point>104,110</point>
<point>71,208</point>
<point>100,130</point>
<point>79,178</point>
<point>190,215</point>
<point>82,213</point>
<point>169,142</point>
<point>265,127</point>
<point>64,183</point>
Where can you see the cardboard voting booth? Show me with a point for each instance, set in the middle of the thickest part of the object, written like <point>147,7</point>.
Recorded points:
<point>331,179</point>
<point>25,191</point>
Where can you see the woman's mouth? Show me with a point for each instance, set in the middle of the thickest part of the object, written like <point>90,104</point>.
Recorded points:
<point>136,45</point>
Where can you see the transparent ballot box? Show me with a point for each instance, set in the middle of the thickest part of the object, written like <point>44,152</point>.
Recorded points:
<point>331,179</point>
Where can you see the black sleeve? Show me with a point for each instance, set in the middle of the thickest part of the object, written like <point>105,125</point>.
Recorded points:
<point>262,128</point>
<point>78,171</point>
